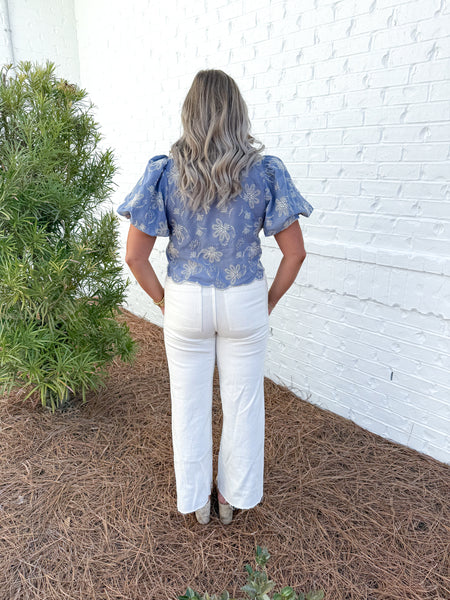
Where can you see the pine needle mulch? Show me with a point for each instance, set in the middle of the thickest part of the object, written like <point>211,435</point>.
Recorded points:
<point>88,509</point>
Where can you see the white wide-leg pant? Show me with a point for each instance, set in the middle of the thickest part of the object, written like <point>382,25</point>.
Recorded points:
<point>202,324</point>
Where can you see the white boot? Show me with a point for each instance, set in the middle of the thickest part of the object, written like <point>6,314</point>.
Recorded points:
<point>203,514</point>
<point>225,513</point>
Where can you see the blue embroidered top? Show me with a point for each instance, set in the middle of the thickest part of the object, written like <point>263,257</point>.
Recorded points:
<point>220,247</point>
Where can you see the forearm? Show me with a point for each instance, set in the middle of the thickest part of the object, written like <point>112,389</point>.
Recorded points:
<point>147,279</point>
<point>284,278</point>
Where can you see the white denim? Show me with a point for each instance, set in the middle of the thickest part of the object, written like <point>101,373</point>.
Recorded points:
<point>202,324</point>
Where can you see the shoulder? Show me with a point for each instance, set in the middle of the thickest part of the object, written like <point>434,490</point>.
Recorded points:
<point>158,162</point>
<point>273,169</point>
<point>155,170</point>
<point>272,162</point>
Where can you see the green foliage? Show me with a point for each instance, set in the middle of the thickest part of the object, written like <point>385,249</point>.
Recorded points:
<point>258,585</point>
<point>60,276</point>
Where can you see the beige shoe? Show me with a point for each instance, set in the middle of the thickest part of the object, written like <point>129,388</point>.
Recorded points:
<point>225,513</point>
<point>203,514</point>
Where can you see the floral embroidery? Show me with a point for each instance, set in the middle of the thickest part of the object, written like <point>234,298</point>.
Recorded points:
<point>257,226</point>
<point>222,231</point>
<point>172,252</point>
<point>140,226</point>
<point>172,175</point>
<point>136,199</point>
<point>269,200</point>
<point>253,250</point>
<point>251,194</point>
<point>179,231</point>
<point>162,230</point>
<point>282,206</point>
<point>190,268</point>
<point>212,254</point>
<point>155,165</point>
<point>233,273</point>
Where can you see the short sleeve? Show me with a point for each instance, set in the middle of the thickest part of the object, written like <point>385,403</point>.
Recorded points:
<point>144,205</point>
<point>284,203</point>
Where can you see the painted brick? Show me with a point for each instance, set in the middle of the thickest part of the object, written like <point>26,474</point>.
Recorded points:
<point>417,11</point>
<point>362,135</point>
<point>344,10</point>
<point>433,29</point>
<point>407,94</point>
<point>430,71</point>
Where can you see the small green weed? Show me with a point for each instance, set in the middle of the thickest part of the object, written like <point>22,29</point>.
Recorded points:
<point>258,585</point>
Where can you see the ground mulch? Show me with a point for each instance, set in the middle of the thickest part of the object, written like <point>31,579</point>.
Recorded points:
<point>88,507</point>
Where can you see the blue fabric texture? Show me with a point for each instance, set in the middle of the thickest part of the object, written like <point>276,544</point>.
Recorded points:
<point>220,247</point>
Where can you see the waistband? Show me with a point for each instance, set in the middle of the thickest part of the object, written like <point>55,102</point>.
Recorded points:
<point>254,282</point>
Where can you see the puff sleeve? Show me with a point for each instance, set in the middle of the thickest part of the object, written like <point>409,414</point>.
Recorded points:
<point>144,205</point>
<point>284,203</point>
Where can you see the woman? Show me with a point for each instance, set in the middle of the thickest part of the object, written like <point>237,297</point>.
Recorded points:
<point>212,197</point>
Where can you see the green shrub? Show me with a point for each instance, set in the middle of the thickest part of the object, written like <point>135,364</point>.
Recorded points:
<point>60,277</point>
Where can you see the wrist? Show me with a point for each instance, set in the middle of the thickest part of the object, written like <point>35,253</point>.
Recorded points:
<point>160,303</point>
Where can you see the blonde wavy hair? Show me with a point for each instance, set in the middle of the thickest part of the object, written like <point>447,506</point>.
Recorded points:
<point>216,147</point>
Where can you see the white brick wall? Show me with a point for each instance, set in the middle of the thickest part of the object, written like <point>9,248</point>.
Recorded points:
<point>41,29</point>
<point>355,98</point>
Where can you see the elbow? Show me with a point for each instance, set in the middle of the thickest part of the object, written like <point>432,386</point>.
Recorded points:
<point>132,260</point>
<point>301,259</point>
<point>297,258</point>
